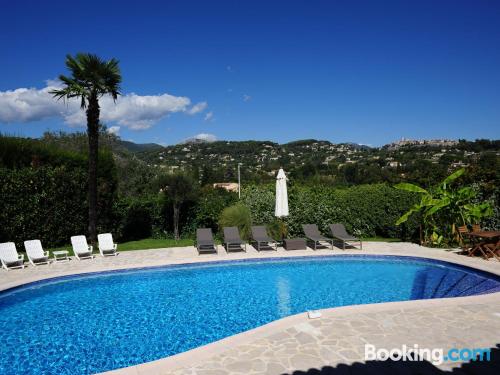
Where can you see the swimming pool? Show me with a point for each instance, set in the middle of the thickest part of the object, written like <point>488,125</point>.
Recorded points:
<point>93,323</point>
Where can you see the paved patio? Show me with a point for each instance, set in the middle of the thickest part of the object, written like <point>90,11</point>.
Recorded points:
<point>333,343</point>
<point>337,340</point>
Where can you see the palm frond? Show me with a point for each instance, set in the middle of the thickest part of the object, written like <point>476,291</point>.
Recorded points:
<point>90,75</point>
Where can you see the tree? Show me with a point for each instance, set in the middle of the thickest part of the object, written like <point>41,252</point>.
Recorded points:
<point>444,207</point>
<point>179,188</point>
<point>91,78</point>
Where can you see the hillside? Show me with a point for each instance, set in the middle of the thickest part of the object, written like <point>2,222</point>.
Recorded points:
<point>343,163</point>
<point>305,161</point>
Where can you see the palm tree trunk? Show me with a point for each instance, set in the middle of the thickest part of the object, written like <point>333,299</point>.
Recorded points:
<point>93,134</point>
<point>176,221</point>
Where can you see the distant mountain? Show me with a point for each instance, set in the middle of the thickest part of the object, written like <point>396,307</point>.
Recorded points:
<point>201,138</point>
<point>138,147</point>
<point>78,142</point>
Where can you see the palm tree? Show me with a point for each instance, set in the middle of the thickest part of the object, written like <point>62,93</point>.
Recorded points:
<point>91,78</point>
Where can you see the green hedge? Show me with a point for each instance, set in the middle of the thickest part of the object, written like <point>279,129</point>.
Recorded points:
<point>43,192</point>
<point>50,203</point>
<point>43,203</point>
<point>366,210</point>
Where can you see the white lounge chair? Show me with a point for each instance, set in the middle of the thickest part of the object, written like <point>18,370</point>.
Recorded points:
<point>35,252</point>
<point>9,256</point>
<point>81,249</point>
<point>106,245</point>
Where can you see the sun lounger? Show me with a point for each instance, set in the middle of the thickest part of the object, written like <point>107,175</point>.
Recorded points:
<point>106,245</point>
<point>205,241</point>
<point>35,252</point>
<point>232,240</point>
<point>260,236</point>
<point>80,247</point>
<point>339,232</point>
<point>313,234</point>
<point>9,256</point>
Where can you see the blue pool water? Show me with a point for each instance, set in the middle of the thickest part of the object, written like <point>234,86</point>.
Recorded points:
<point>88,324</point>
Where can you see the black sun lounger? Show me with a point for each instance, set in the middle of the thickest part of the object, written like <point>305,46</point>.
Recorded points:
<point>338,231</point>
<point>260,236</point>
<point>313,234</point>
<point>232,240</point>
<point>205,241</point>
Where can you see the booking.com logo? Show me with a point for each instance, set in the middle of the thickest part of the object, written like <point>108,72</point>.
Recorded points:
<point>436,356</point>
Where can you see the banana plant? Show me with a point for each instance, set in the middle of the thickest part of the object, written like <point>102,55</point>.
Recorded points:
<point>443,207</point>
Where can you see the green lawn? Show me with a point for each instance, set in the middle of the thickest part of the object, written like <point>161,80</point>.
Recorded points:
<point>153,243</point>
<point>148,243</point>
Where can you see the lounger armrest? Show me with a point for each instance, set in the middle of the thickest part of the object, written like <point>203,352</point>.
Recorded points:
<point>46,254</point>
<point>115,246</point>
<point>91,248</point>
<point>20,257</point>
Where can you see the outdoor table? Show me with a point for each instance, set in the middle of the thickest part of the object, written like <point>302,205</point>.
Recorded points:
<point>488,245</point>
<point>60,256</point>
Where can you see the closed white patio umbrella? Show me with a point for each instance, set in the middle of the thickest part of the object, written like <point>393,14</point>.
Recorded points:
<point>281,208</point>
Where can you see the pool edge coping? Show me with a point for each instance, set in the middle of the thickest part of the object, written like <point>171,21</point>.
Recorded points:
<point>460,261</point>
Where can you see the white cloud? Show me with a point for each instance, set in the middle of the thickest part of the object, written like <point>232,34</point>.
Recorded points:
<point>246,98</point>
<point>209,116</point>
<point>197,108</point>
<point>131,110</point>
<point>114,130</point>
<point>202,137</point>
<point>25,105</point>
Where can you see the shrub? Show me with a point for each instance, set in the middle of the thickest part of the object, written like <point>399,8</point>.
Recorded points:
<point>277,229</point>
<point>237,215</point>
<point>135,219</point>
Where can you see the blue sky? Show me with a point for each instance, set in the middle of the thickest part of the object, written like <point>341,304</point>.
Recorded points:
<point>346,71</point>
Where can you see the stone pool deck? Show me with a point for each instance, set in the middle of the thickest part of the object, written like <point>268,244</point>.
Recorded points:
<point>332,344</point>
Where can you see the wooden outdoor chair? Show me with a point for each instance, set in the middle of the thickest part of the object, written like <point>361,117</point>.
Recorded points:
<point>463,241</point>
<point>493,249</point>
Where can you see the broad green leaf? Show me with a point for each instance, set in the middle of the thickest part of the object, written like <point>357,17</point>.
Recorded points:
<point>404,218</point>
<point>410,187</point>
<point>407,214</point>
<point>452,177</point>
<point>436,208</point>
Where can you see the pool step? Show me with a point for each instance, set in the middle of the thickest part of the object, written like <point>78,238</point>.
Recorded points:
<point>441,283</point>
